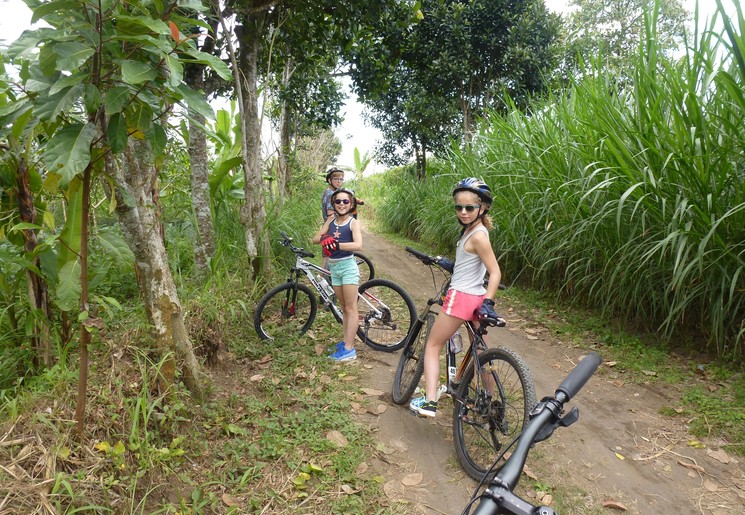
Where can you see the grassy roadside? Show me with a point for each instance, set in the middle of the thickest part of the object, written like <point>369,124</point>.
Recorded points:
<point>712,400</point>
<point>276,435</point>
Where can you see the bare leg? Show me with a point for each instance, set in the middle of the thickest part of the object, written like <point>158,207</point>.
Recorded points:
<point>347,296</point>
<point>443,328</point>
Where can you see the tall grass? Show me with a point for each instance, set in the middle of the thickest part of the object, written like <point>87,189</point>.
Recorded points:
<point>631,200</point>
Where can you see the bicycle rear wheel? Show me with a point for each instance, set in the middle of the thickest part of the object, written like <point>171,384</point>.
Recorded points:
<point>365,264</point>
<point>411,363</point>
<point>483,420</point>
<point>386,315</point>
<point>286,310</point>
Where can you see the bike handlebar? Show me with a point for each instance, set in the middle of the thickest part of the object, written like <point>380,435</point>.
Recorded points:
<point>544,418</point>
<point>579,376</point>
<point>424,258</point>
<point>286,241</point>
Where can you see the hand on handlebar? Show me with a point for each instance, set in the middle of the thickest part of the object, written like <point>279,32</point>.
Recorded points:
<point>487,311</point>
<point>445,264</point>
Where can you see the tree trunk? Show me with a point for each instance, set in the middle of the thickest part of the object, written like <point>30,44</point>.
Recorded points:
<point>38,293</point>
<point>141,228</point>
<point>285,140</point>
<point>253,213</point>
<point>420,156</point>
<point>204,246</point>
<point>85,335</point>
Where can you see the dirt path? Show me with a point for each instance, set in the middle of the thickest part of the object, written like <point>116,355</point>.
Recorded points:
<point>620,450</point>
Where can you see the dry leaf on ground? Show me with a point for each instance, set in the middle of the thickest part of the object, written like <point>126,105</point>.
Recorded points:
<point>710,486</point>
<point>718,455</point>
<point>231,500</point>
<point>615,505</point>
<point>337,439</point>
<point>412,479</point>
<point>372,391</point>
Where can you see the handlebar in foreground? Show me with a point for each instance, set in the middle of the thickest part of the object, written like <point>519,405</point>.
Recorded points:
<point>544,419</point>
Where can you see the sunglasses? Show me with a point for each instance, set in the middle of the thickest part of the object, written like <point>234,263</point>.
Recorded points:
<point>470,208</point>
<point>342,201</point>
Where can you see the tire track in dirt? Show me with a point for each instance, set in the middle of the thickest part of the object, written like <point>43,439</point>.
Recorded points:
<point>659,472</point>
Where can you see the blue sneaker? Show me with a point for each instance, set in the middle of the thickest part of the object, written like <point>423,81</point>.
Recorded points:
<point>344,355</point>
<point>335,348</point>
<point>423,407</point>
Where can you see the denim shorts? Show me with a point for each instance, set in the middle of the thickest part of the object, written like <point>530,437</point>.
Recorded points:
<point>344,271</point>
<point>462,305</point>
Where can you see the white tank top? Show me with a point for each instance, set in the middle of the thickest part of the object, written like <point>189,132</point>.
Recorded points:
<point>469,271</point>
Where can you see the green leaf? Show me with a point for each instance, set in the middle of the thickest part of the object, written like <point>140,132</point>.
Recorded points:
<point>136,72</point>
<point>69,246</point>
<point>221,170</point>
<point>196,101</point>
<point>114,246</point>
<point>176,68</point>
<point>157,138</point>
<point>213,62</point>
<point>139,117</point>
<point>195,5</point>
<point>135,25</point>
<point>117,132</point>
<point>91,98</point>
<point>69,151</point>
<point>49,107</point>
<point>51,7</point>
<point>67,81</point>
<point>116,99</point>
<point>72,55</point>
<point>119,448</point>
<point>25,225</point>
<point>68,287</point>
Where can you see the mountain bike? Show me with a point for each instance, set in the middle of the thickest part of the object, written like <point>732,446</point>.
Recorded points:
<point>545,417</point>
<point>289,309</point>
<point>492,388</point>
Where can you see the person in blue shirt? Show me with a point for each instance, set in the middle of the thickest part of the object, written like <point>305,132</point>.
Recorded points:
<point>334,179</point>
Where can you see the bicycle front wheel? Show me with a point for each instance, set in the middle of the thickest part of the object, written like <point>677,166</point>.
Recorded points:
<point>411,363</point>
<point>491,408</point>
<point>286,310</point>
<point>386,314</point>
<point>365,264</point>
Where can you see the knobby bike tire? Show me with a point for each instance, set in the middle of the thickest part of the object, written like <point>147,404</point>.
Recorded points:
<point>481,424</point>
<point>365,264</point>
<point>286,310</point>
<point>385,331</point>
<point>411,363</point>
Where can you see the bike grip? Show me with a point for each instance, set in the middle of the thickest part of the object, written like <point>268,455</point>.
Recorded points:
<point>579,375</point>
<point>420,255</point>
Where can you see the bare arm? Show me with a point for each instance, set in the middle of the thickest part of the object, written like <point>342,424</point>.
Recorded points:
<point>482,247</point>
<point>323,230</point>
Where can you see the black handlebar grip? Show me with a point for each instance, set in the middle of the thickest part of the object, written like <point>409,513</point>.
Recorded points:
<point>420,255</point>
<point>579,375</point>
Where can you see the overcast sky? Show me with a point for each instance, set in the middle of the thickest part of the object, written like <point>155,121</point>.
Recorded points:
<point>353,132</point>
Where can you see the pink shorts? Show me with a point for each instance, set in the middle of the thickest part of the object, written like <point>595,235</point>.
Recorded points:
<point>462,305</point>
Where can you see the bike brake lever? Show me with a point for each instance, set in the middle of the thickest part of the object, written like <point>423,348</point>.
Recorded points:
<point>565,421</point>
